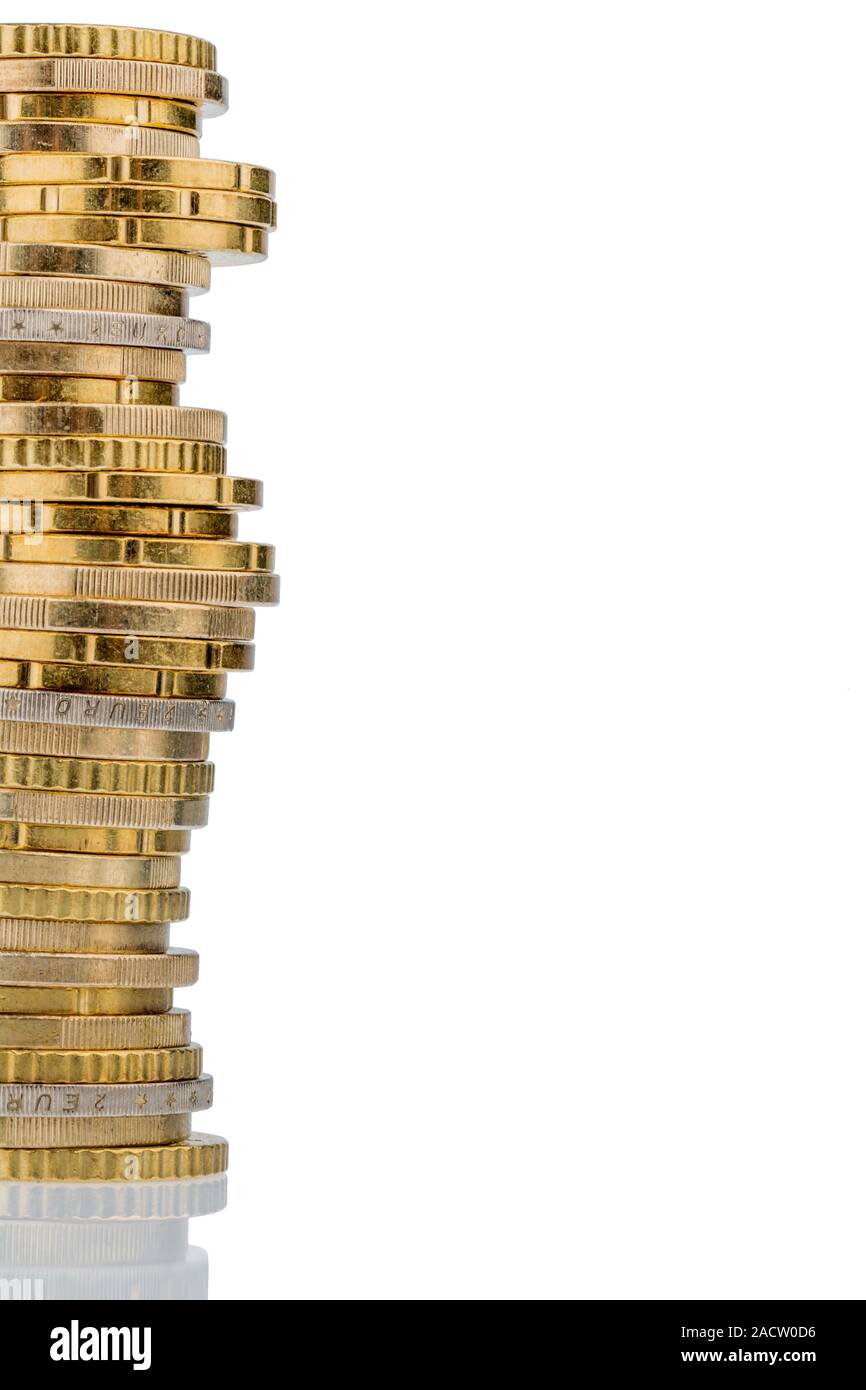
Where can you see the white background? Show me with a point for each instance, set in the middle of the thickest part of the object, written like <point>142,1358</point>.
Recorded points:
<point>532,905</point>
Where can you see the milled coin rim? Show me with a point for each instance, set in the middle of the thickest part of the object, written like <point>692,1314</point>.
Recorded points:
<point>117,76</point>
<point>197,1155</point>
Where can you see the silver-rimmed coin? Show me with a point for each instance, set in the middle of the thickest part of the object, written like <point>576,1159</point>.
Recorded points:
<point>122,330</point>
<point>117,711</point>
<point>150,1098</point>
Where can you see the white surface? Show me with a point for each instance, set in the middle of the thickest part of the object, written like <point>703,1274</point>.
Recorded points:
<point>543,821</point>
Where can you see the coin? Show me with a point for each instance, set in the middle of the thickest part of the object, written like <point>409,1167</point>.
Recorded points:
<point>179,489</point>
<point>117,712</point>
<point>126,777</point>
<point>137,200</point>
<point>86,390</point>
<point>186,456</point>
<point>74,741</point>
<point>104,41</point>
<point>102,774</point>
<point>93,904</point>
<point>196,1156</point>
<point>113,1204</point>
<point>176,269</point>
<point>171,1281</point>
<point>151,520</point>
<point>123,776</point>
<point>165,620</point>
<point>224,243</point>
<point>95,648</point>
<point>200,86</point>
<point>116,298</point>
<point>80,138</point>
<point>119,680</point>
<point>173,970</point>
<point>41,1000</point>
<point>125,593</point>
<point>80,809</point>
<point>216,174</point>
<point>30,934</point>
<point>137,550</point>
<point>80,839</point>
<point>147,1098</point>
<point>102,107</point>
<point>89,871</point>
<point>90,360</point>
<point>70,1131</point>
<point>166,421</point>
<point>143,585</point>
<point>157,331</point>
<point>106,1067</point>
<point>37,1247</point>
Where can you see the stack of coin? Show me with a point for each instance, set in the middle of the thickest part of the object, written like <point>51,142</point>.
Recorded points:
<point>104,1240</point>
<point>125,594</point>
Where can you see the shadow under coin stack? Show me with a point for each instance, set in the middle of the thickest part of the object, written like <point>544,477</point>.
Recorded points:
<point>125,595</point>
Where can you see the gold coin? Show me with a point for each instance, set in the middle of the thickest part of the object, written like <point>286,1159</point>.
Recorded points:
<point>172,970</point>
<point>137,550</point>
<point>112,680</point>
<point>83,839</point>
<point>123,777</point>
<point>120,871</point>
<point>217,175</point>
<point>188,457</point>
<point>200,86</point>
<point>78,741</point>
<point>205,587</point>
<point>175,269</point>
<point>164,421</point>
<point>94,648</point>
<point>203,523</point>
<point>46,293</point>
<point>124,812</point>
<point>171,489</point>
<point>224,243</point>
<point>92,360</point>
<point>71,1131</point>
<point>137,200</point>
<point>94,904</point>
<point>99,1032</point>
<point>107,1067</point>
<point>82,138</point>
<point>103,107</point>
<point>197,1156</point>
<point>164,620</point>
<point>85,390</point>
<point>31,934</point>
<point>40,1000</point>
<point>41,292</point>
<point>104,41</point>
